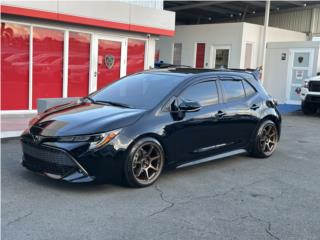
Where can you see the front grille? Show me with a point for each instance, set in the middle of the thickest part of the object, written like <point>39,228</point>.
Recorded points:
<point>315,99</point>
<point>49,160</point>
<point>314,86</point>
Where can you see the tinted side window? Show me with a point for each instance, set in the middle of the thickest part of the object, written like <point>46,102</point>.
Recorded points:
<point>205,93</point>
<point>250,91</point>
<point>233,89</point>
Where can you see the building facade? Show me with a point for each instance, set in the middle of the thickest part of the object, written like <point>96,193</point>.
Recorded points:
<point>63,48</point>
<point>229,45</point>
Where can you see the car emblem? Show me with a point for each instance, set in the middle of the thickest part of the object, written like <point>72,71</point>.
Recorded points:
<point>36,139</point>
<point>109,61</point>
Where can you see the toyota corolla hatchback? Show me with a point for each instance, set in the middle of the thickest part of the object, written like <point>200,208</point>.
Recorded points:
<point>134,128</point>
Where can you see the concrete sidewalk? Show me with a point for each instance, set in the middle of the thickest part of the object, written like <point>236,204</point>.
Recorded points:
<point>14,125</point>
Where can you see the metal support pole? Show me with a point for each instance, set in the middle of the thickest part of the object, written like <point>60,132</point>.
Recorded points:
<point>265,35</point>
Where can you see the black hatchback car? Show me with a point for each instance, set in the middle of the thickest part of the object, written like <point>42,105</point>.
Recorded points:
<point>133,128</point>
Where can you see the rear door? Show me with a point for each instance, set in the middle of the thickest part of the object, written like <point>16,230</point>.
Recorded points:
<point>240,111</point>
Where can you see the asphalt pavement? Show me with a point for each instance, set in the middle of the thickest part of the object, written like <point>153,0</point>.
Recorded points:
<point>232,198</point>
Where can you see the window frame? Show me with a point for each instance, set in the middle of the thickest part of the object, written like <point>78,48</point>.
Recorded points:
<point>255,90</point>
<point>223,93</point>
<point>211,79</point>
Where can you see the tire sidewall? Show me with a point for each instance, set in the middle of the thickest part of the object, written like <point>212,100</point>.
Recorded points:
<point>128,173</point>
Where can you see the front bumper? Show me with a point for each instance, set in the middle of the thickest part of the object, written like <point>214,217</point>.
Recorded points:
<point>53,162</point>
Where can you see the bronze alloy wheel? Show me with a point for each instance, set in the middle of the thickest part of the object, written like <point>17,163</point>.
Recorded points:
<point>147,163</point>
<point>269,139</point>
<point>144,162</point>
<point>266,140</point>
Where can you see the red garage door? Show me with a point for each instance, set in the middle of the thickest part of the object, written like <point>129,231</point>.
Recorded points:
<point>79,63</point>
<point>200,55</point>
<point>135,59</point>
<point>47,64</point>
<point>109,56</point>
<point>14,66</point>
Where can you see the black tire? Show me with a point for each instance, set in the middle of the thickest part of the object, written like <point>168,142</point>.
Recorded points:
<point>308,108</point>
<point>266,140</point>
<point>144,163</point>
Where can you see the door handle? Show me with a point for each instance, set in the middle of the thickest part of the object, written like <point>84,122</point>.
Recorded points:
<point>220,114</point>
<point>254,107</point>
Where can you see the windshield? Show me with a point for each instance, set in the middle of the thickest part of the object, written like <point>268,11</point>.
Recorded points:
<point>144,90</point>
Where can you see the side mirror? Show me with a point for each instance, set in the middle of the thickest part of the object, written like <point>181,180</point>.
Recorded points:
<point>189,106</point>
<point>318,74</point>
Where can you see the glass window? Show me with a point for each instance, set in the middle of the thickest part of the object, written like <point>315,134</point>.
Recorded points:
<point>79,63</point>
<point>222,58</point>
<point>205,93</point>
<point>14,66</point>
<point>143,90</point>
<point>233,89</point>
<point>47,64</point>
<point>250,91</point>
<point>136,52</point>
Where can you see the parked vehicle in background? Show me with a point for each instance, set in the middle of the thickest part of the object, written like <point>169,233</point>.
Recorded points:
<point>310,95</point>
<point>133,128</point>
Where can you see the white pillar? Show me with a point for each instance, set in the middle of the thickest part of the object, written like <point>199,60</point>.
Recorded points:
<point>265,34</point>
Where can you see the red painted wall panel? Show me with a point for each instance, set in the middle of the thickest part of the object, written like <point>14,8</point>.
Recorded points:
<point>14,66</point>
<point>200,55</point>
<point>79,64</point>
<point>109,57</point>
<point>135,56</point>
<point>47,64</point>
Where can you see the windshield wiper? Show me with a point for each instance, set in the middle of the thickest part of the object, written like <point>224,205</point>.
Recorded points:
<point>113,103</point>
<point>88,98</point>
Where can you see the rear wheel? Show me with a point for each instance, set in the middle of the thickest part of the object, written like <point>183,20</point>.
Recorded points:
<point>266,140</point>
<point>308,108</point>
<point>144,163</point>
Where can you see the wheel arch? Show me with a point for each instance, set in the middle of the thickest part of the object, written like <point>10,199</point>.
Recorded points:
<point>274,119</point>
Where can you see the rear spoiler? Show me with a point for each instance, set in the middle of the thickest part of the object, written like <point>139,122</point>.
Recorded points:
<point>257,73</point>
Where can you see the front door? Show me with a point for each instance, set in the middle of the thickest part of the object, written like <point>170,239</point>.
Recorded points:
<point>197,134</point>
<point>300,68</point>
<point>110,62</point>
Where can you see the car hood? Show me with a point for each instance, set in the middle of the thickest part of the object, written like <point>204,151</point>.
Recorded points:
<point>84,118</point>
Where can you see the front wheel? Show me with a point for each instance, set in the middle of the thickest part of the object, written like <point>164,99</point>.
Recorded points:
<point>266,140</point>
<point>144,163</point>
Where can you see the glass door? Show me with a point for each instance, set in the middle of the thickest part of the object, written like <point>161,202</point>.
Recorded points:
<point>110,64</point>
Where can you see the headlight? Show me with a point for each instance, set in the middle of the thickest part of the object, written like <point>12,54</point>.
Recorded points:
<point>305,84</point>
<point>95,140</point>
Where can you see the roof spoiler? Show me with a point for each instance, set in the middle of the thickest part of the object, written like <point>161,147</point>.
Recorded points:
<point>257,73</point>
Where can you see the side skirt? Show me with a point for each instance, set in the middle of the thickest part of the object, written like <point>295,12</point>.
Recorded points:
<point>208,159</point>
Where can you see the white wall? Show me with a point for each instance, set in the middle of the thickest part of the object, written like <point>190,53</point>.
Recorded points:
<point>276,80</point>
<point>226,34</point>
<point>253,33</point>
<point>235,35</point>
<point>114,11</point>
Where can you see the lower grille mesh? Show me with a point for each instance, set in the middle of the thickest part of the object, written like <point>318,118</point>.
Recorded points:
<point>44,159</point>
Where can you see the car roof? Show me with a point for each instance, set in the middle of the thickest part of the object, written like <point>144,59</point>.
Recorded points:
<point>188,72</point>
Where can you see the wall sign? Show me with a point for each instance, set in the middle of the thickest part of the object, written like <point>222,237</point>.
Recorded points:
<point>299,74</point>
<point>109,61</point>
